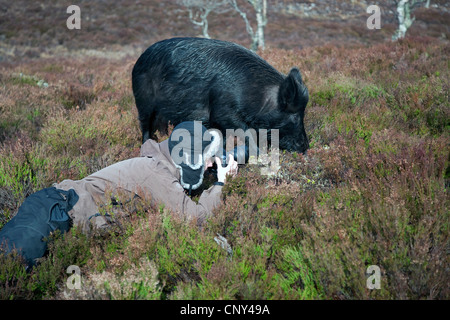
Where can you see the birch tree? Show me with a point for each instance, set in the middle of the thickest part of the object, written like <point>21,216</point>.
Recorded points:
<point>200,9</point>
<point>260,8</point>
<point>405,20</point>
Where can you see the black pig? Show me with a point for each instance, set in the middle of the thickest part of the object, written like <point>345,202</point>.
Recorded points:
<point>222,84</point>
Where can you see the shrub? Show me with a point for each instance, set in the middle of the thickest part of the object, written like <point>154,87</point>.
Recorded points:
<point>372,189</point>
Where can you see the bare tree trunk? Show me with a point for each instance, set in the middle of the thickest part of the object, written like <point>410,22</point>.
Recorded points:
<point>205,27</point>
<point>404,18</point>
<point>248,26</point>
<point>261,20</point>
<point>200,9</point>
<point>260,7</point>
<point>404,9</point>
<point>203,23</point>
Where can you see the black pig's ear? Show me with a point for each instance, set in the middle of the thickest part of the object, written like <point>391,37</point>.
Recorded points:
<point>293,94</point>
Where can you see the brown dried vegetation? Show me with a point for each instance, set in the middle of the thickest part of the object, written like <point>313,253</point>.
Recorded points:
<point>373,189</point>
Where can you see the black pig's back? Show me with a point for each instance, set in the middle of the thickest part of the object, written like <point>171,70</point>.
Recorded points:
<point>195,79</point>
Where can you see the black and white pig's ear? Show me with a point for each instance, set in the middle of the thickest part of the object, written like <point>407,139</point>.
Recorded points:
<point>293,94</point>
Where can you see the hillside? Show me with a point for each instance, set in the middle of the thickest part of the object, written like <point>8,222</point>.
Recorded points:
<point>373,189</point>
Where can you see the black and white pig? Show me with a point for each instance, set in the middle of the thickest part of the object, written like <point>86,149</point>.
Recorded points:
<point>222,84</point>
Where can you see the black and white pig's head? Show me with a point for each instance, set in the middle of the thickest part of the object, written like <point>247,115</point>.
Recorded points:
<point>292,100</point>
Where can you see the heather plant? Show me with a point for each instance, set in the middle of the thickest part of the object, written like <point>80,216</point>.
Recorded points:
<point>372,190</point>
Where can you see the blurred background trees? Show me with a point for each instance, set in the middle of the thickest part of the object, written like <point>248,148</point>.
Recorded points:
<point>200,9</point>
<point>254,13</point>
<point>404,17</point>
